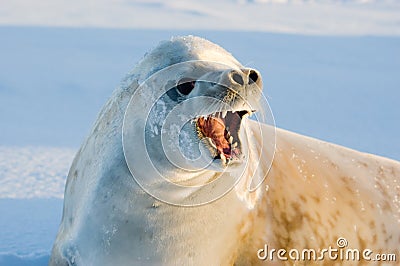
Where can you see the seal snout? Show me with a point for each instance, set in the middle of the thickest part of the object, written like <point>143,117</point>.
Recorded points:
<point>245,76</point>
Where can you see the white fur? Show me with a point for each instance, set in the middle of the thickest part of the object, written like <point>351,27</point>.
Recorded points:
<point>314,193</point>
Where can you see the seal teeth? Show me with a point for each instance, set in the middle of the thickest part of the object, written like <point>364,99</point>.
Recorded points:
<point>224,114</point>
<point>231,139</point>
<point>234,145</point>
<point>211,143</point>
<point>223,158</point>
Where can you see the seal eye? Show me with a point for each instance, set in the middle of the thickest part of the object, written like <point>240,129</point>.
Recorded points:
<point>185,86</point>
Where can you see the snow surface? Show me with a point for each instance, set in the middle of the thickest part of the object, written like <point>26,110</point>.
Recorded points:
<point>28,228</point>
<point>34,172</point>
<point>32,181</point>
<point>361,17</point>
<point>53,81</point>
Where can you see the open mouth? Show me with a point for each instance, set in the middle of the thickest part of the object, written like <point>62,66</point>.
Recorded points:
<point>221,131</point>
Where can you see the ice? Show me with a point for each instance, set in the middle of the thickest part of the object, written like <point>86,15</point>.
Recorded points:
<point>350,17</point>
<point>28,228</point>
<point>34,172</point>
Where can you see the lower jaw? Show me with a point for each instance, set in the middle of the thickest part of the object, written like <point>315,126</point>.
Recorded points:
<point>219,155</point>
<point>232,161</point>
<point>218,166</point>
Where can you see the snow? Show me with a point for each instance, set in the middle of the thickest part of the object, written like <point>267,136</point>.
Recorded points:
<point>33,172</point>
<point>32,181</point>
<point>291,16</point>
<point>28,230</point>
<point>335,79</point>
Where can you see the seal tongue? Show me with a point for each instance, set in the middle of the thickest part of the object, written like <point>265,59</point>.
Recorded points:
<point>214,128</point>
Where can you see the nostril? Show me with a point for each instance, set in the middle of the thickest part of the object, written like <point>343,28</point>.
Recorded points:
<point>237,78</point>
<point>253,76</point>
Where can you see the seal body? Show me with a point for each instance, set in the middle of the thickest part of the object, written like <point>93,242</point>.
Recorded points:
<point>314,194</point>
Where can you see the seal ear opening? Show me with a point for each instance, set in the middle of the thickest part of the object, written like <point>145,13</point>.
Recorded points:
<point>185,86</point>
